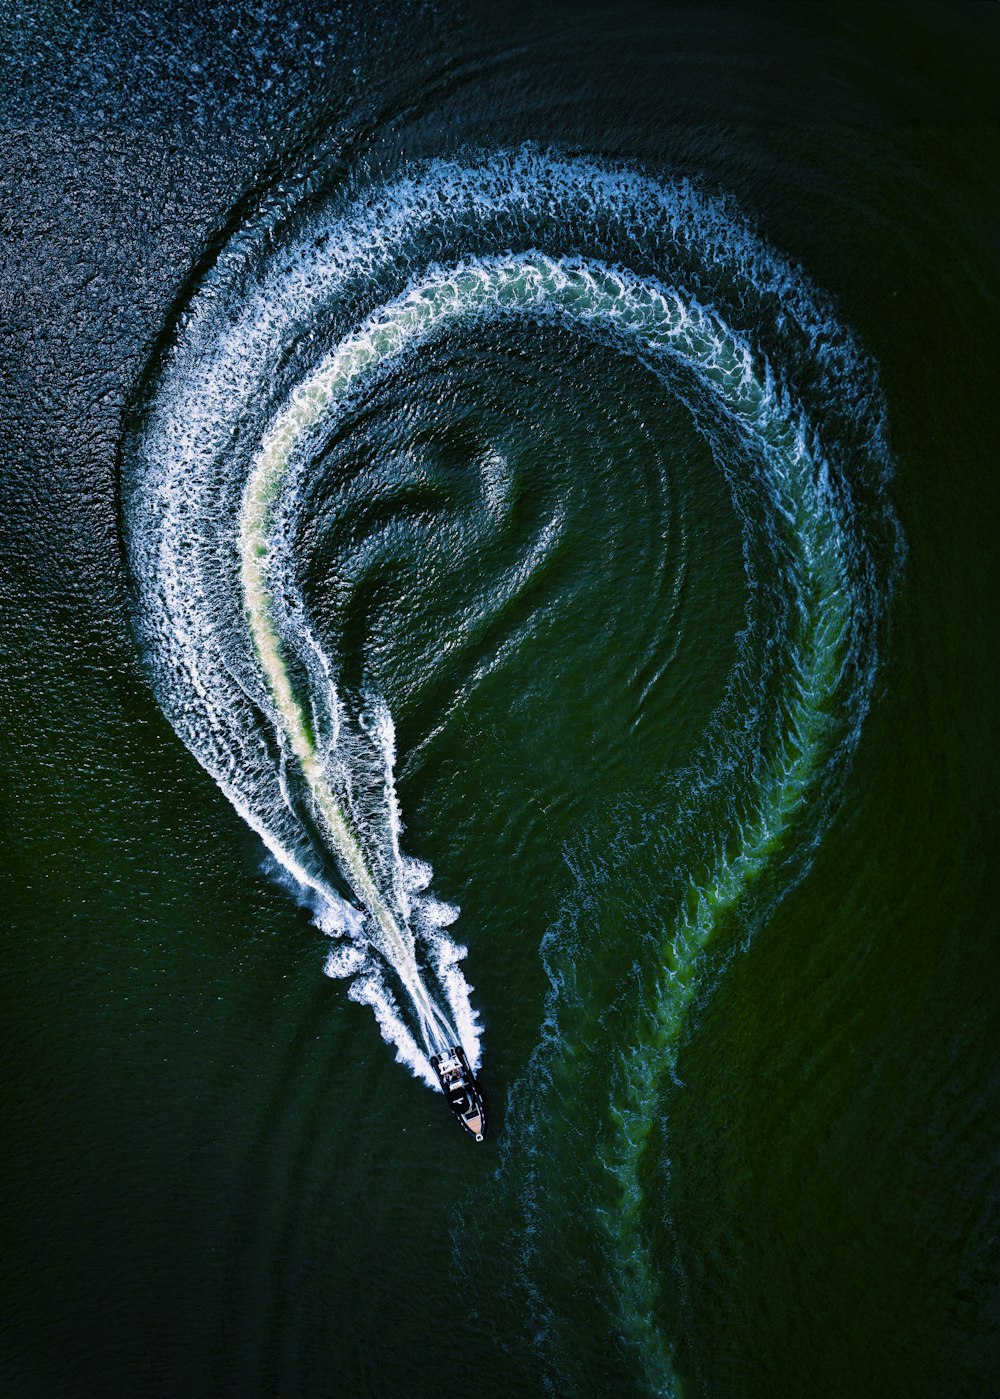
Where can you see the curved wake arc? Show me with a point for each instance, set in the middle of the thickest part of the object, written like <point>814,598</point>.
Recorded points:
<point>298,326</point>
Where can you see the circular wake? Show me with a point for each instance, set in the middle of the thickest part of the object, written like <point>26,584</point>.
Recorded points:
<point>306,315</point>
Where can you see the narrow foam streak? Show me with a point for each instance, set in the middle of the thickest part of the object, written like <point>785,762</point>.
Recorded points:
<point>786,787</point>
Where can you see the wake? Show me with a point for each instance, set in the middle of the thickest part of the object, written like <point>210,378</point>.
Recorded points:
<point>272,358</point>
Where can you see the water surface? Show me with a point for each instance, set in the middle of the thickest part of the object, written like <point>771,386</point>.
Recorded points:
<point>686,649</point>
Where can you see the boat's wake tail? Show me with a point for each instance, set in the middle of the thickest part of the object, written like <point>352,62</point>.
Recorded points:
<point>391,945</point>
<point>311,772</point>
<point>250,408</point>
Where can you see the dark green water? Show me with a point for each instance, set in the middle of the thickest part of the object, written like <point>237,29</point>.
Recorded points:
<point>551,558</point>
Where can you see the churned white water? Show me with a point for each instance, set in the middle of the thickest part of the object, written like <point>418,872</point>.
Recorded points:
<point>276,348</point>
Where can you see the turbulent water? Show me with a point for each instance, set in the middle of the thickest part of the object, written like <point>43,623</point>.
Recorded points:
<point>546,454</point>
<point>239,471</point>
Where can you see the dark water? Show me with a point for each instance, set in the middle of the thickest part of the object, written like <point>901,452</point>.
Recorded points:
<point>697,731</point>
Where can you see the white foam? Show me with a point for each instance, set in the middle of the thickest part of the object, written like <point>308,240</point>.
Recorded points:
<point>192,460</point>
<point>345,960</point>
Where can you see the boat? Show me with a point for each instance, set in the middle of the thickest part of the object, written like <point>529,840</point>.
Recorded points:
<point>459,1086</point>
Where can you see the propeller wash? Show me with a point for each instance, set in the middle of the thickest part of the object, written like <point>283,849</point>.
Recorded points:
<point>325,295</point>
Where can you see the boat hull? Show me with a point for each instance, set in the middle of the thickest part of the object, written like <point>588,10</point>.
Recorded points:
<point>461,1090</point>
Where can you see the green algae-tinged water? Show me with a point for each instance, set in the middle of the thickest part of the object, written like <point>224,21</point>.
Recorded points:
<point>762,1169</point>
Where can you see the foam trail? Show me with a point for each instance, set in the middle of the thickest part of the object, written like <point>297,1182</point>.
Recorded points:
<point>270,360</point>
<point>658,321</point>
